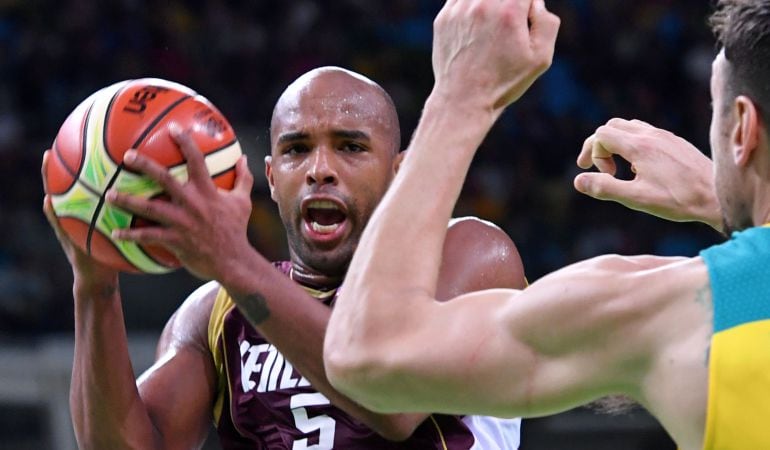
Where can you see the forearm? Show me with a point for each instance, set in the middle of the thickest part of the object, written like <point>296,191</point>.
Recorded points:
<point>107,411</point>
<point>295,323</point>
<point>416,211</point>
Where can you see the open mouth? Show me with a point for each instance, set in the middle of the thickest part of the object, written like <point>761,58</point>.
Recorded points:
<point>324,217</point>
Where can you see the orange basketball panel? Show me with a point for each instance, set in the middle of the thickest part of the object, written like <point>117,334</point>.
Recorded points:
<point>225,180</point>
<point>104,251</point>
<point>208,127</point>
<point>69,140</point>
<point>58,178</point>
<point>133,113</point>
<point>76,229</point>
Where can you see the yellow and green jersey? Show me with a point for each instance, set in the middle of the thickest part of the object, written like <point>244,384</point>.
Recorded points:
<point>739,363</point>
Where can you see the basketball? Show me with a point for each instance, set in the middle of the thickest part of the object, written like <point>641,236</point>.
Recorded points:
<point>87,160</point>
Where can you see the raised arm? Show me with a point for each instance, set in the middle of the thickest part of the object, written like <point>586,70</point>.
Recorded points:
<point>170,410</point>
<point>672,178</point>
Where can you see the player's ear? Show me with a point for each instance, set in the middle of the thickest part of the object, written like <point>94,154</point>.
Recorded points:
<point>398,160</point>
<point>744,137</point>
<point>269,175</point>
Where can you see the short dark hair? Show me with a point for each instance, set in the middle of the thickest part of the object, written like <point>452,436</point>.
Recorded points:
<point>742,29</point>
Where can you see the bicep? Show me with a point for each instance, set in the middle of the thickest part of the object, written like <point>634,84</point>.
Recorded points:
<point>179,388</point>
<point>567,339</point>
<point>468,359</point>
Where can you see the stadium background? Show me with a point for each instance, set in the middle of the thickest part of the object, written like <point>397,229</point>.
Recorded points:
<point>648,60</point>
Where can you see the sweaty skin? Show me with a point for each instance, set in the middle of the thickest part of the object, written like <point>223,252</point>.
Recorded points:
<point>347,154</point>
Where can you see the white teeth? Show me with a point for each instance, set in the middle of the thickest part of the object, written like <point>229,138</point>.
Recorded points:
<point>324,229</point>
<point>322,204</point>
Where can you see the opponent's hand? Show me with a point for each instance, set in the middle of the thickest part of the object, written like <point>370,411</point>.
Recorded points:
<point>491,51</point>
<point>673,179</point>
<point>204,226</point>
<point>88,272</point>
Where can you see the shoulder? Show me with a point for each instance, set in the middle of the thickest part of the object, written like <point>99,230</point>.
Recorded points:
<point>473,235</point>
<point>478,255</point>
<point>189,324</point>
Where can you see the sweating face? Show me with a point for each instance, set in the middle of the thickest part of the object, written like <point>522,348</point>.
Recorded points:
<point>736,214</point>
<point>334,139</point>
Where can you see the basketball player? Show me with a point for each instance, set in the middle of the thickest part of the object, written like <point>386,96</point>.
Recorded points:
<point>689,338</point>
<point>249,357</point>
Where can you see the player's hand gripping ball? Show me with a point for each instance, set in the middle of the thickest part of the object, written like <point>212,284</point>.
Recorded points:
<point>87,160</point>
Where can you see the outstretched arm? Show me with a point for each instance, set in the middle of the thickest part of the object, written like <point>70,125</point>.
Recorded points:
<point>486,54</point>
<point>569,338</point>
<point>672,180</point>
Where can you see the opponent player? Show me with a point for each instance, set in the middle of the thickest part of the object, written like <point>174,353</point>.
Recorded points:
<point>688,338</point>
<point>257,368</point>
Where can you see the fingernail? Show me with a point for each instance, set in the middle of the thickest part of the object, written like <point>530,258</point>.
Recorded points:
<point>116,234</point>
<point>111,195</point>
<point>129,156</point>
<point>580,183</point>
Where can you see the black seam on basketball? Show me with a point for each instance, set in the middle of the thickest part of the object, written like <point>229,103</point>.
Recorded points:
<point>107,119</point>
<point>55,150</point>
<point>84,137</point>
<point>160,117</point>
<point>99,206</point>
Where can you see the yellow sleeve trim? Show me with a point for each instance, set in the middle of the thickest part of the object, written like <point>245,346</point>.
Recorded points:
<point>222,305</point>
<point>440,434</point>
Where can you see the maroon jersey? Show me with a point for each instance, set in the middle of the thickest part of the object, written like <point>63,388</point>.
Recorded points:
<point>263,402</point>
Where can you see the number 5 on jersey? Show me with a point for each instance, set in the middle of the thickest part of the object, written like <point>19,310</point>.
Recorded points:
<point>322,423</point>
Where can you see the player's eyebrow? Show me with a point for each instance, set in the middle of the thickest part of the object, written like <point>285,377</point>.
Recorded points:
<point>292,136</point>
<point>355,135</point>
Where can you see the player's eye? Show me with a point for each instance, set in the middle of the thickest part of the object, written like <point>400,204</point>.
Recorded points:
<point>295,149</point>
<point>352,147</point>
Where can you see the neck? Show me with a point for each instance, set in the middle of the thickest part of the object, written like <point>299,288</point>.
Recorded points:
<point>312,278</point>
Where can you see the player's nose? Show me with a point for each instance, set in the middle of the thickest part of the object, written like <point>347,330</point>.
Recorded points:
<point>322,168</point>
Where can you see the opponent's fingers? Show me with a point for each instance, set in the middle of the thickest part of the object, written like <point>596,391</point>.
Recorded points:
<point>605,165</point>
<point>157,210</point>
<point>543,31</point>
<point>244,180</point>
<point>196,163</point>
<point>615,140</point>
<point>155,171</point>
<point>584,158</point>
<point>604,186</point>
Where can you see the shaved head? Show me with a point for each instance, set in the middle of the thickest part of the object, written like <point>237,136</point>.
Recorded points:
<point>338,90</point>
<point>335,142</point>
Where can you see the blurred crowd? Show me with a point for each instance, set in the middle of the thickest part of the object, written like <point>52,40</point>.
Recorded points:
<point>614,58</point>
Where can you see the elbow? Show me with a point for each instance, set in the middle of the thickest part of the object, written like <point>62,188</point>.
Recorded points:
<point>365,380</point>
<point>353,377</point>
<point>346,372</point>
